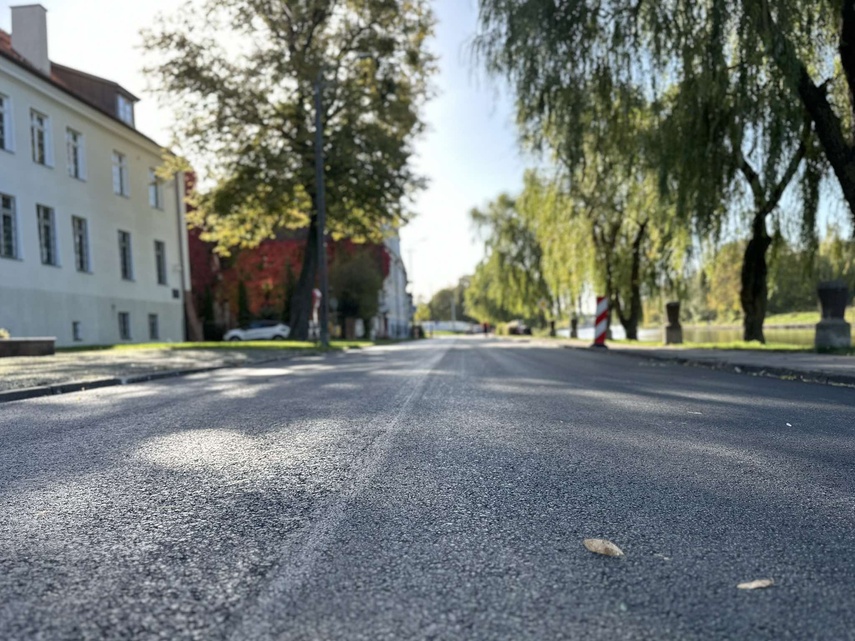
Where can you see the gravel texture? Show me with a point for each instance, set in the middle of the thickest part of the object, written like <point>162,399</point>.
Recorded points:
<point>433,490</point>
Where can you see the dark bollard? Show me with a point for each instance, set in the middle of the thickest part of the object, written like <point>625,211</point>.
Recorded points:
<point>833,332</point>
<point>552,328</point>
<point>674,331</point>
<point>574,327</point>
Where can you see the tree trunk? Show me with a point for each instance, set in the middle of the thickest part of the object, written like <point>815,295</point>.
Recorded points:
<point>301,302</point>
<point>827,125</point>
<point>630,322</point>
<point>754,292</point>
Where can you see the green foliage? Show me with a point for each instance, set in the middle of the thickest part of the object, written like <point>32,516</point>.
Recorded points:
<point>727,78</point>
<point>723,274</point>
<point>439,306</point>
<point>241,75</point>
<point>511,279</point>
<point>422,313</point>
<point>244,313</point>
<point>355,282</point>
<point>289,286</point>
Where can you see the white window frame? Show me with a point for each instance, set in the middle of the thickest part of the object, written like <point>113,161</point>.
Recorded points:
<point>40,123</point>
<point>45,214</point>
<point>75,148</point>
<point>155,189</point>
<point>81,244</point>
<point>120,174</point>
<point>126,270</point>
<point>125,110</point>
<point>160,262</point>
<point>124,319</point>
<point>7,120</point>
<point>11,214</point>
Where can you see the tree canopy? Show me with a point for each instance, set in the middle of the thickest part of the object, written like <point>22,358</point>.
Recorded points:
<point>242,75</point>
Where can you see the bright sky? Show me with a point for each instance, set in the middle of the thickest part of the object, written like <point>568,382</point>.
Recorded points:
<point>470,153</point>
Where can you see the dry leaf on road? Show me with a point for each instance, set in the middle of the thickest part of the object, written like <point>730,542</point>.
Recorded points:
<point>754,585</point>
<point>602,546</point>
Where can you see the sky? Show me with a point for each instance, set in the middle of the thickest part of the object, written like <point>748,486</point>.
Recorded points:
<point>469,154</point>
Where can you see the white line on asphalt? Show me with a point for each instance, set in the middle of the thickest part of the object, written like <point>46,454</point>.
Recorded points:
<point>296,564</point>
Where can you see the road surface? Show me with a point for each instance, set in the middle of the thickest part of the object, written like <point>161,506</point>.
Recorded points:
<point>431,490</point>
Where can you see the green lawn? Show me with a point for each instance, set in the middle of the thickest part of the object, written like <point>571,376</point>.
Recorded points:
<point>228,345</point>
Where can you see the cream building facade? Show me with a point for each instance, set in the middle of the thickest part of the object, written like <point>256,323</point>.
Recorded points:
<point>93,247</point>
<point>396,314</point>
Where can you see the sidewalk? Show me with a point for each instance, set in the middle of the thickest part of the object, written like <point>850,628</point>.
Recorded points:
<point>27,377</point>
<point>808,366</point>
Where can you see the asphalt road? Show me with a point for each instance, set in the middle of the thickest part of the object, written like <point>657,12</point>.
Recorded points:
<point>438,490</point>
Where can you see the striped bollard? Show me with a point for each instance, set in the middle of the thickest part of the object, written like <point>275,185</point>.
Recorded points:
<point>602,322</point>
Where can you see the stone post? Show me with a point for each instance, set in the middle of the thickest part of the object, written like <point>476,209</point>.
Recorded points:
<point>833,332</point>
<point>674,331</point>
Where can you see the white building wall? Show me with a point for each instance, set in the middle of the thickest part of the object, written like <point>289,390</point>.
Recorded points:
<point>44,300</point>
<point>394,297</point>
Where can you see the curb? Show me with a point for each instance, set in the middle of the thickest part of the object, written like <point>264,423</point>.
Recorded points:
<point>785,373</point>
<point>81,386</point>
<point>67,388</point>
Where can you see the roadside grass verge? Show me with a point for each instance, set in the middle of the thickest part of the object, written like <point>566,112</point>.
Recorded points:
<point>308,346</point>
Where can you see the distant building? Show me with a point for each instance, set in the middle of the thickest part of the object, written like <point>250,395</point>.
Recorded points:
<point>92,244</point>
<point>396,305</point>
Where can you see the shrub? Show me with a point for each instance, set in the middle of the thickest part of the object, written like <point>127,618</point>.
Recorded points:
<point>4,334</point>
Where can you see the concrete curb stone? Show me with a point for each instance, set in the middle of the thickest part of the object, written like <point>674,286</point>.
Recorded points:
<point>80,386</point>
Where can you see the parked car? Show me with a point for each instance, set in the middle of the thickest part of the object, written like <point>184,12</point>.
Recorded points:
<point>519,328</point>
<point>260,330</point>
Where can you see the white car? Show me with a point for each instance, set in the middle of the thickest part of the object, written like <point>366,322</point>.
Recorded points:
<point>261,330</point>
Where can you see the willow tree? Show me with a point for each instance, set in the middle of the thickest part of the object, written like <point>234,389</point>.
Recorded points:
<point>735,82</point>
<point>241,76</point>
<point>513,268</point>
<point>562,55</point>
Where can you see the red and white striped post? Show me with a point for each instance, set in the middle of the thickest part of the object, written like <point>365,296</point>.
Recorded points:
<point>602,325</point>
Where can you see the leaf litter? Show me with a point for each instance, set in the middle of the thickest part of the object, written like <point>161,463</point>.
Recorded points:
<point>756,585</point>
<point>602,546</point>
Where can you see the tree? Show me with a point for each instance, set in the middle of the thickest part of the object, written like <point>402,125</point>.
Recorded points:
<point>355,280</point>
<point>440,305</point>
<point>517,282</point>
<point>484,297</point>
<point>807,45</point>
<point>246,71</point>
<point>732,69</point>
<point>244,314</point>
<point>422,313</point>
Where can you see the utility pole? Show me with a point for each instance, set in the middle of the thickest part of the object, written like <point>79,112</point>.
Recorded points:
<point>322,214</point>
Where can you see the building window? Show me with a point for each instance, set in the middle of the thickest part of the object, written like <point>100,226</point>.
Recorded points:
<point>6,130</point>
<point>120,174</point>
<point>153,329</point>
<point>40,138</point>
<point>125,257</point>
<point>125,110</point>
<point>8,227</point>
<point>155,190</point>
<point>80,229</point>
<point>125,326</point>
<point>75,331</point>
<point>76,156</point>
<point>47,235</point>
<point>160,261</point>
